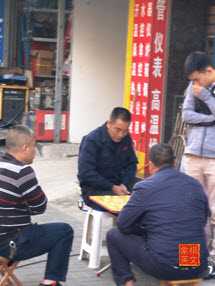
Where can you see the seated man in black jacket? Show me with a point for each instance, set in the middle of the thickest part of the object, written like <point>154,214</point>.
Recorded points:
<point>164,211</point>
<point>107,161</point>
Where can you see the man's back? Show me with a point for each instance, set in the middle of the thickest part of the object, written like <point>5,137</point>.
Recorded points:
<point>20,198</point>
<point>173,208</point>
<point>18,183</point>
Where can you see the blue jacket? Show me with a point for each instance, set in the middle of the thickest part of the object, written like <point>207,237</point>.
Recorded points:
<point>103,163</point>
<point>200,139</point>
<point>173,207</point>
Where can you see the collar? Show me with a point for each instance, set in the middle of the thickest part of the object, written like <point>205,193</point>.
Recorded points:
<point>165,167</point>
<point>11,159</point>
<point>212,89</point>
<point>105,136</point>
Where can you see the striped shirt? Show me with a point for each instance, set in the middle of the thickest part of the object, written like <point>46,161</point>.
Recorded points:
<point>17,183</point>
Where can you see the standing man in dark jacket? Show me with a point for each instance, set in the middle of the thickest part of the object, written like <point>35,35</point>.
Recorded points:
<point>21,197</point>
<point>165,210</point>
<point>107,161</point>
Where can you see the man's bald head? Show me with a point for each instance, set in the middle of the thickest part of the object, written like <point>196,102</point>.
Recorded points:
<point>18,136</point>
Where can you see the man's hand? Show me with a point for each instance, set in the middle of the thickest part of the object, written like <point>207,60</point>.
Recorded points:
<point>120,190</point>
<point>196,89</point>
<point>125,190</point>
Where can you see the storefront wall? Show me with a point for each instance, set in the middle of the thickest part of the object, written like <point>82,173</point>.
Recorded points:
<point>99,59</point>
<point>98,63</point>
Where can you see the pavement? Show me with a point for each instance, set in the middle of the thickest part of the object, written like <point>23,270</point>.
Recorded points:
<point>56,169</point>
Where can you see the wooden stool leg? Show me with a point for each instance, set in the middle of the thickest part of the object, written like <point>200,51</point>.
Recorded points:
<point>9,282</point>
<point>7,273</point>
<point>189,282</point>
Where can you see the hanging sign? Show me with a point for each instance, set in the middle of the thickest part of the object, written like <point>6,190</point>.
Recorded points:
<point>145,73</point>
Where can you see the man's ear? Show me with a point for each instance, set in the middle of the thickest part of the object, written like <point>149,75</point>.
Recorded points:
<point>24,147</point>
<point>151,167</point>
<point>108,123</point>
<point>175,163</point>
<point>209,70</point>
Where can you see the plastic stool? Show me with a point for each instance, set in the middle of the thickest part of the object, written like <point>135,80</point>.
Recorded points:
<point>7,272</point>
<point>190,282</point>
<point>92,242</point>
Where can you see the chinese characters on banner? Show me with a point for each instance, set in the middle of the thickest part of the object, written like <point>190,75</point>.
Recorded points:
<point>157,72</point>
<point>140,71</point>
<point>146,72</point>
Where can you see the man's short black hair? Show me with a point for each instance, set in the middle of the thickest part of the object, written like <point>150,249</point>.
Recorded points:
<point>17,136</point>
<point>120,113</point>
<point>197,61</point>
<point>161,154</point>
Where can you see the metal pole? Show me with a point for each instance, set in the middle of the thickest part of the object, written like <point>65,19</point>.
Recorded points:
<point>6,33</point>
<point>59,64</point>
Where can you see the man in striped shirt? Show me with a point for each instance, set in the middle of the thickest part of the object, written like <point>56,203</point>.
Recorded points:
<point>20,197</point>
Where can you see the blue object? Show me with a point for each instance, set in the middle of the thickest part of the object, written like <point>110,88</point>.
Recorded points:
<point>11,79</point>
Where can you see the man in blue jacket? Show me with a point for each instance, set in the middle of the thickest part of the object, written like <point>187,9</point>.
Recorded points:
<point>107,161</point>
<point>199,113</point>
<point>165,210</point>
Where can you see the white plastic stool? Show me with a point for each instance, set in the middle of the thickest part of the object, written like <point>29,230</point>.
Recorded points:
<point>92,237</point>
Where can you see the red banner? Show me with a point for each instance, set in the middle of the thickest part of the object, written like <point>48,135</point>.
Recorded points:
<point>140,71</point>
<point>157,72</point>
<point>147,72</point>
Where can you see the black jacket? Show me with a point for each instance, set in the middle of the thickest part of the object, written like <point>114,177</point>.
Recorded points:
<point>103,163</point>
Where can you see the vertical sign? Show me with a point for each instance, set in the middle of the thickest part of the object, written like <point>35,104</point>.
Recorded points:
<point>144,73</point>
<point>1,30</point>
<point>157,72</point>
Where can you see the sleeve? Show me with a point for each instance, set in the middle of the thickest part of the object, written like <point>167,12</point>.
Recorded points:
<point>129,217</point>
<point>188,111</point>
<point>31,191</point>
<point>206,97</point>
<point>87,169</point>
<point>131,167</point>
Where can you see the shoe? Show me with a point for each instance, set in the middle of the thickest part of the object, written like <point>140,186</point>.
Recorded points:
<point>56,283</point>
<point>210,274</point>
<point>82,206</point>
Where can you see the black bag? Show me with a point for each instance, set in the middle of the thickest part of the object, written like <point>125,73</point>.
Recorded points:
<point>201,107</point>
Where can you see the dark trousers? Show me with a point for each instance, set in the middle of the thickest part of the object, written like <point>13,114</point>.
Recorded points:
<point>126,248</point>
<point>54,239</point>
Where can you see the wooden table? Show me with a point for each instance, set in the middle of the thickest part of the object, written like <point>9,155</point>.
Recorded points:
<point>113,204</point>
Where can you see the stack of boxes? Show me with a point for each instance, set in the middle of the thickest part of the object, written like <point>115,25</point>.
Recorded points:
<point>41,62</point>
